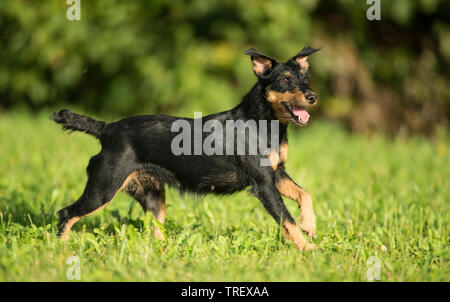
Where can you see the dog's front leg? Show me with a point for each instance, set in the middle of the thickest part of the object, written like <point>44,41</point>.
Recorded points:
<point>288,188</point>
<point>272,201</point>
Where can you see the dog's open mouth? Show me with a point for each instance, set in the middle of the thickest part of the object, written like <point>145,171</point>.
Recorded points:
<point>298,114</point>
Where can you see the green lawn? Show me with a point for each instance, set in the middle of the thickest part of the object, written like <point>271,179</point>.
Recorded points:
<point>373,196</point>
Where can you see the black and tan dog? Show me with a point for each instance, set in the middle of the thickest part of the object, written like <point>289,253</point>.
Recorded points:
<point>136,154</point>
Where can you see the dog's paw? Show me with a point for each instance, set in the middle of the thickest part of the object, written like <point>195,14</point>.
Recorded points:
<point>309,247</point>
<point>158,234</point>
<point>308,225</point>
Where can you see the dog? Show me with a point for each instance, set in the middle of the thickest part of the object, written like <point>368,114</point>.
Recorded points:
<point>136,154</point>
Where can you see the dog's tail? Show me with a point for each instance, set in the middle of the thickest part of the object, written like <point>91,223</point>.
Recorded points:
<point>77,122</point>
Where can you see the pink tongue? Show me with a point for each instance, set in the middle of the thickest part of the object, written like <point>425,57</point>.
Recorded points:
<point>301,113</point>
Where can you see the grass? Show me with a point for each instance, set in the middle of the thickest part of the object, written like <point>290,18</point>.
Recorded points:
<point>373,197</point>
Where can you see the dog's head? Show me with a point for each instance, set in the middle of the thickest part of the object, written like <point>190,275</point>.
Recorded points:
<point>286,85</point>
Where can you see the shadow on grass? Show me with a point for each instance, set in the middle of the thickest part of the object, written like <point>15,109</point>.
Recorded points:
<point>107,225</point>
<point>16,209</point>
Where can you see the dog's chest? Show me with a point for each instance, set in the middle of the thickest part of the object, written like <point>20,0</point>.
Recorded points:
<point>276,158</point>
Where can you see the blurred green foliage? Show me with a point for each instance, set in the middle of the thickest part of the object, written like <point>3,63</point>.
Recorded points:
<point>145,57</point>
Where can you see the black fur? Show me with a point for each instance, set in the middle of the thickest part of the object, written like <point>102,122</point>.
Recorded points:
<point>77,122</point>
<point>141,146</point>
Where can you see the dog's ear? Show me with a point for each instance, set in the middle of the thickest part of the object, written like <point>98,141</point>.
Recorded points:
<point>302,58</point>
<point>262,64</point>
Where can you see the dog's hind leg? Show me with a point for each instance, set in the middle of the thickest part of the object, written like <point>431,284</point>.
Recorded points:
<point>150,193</point>
<point>105,180</point>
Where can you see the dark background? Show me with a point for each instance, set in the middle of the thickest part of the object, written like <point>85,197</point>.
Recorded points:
<point>176,57</point>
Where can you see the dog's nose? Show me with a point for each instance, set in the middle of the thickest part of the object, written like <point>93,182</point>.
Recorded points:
<point>311,98</point>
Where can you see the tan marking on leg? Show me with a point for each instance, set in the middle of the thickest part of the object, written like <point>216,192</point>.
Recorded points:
<point>99,208</point>
<point>292,232</point>
<point>142,182</point>
<point>161,216</point>
<point>283,152</point>
<point>290,190</point>
<point>274,159</point>
<point>65,234</point>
